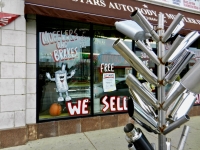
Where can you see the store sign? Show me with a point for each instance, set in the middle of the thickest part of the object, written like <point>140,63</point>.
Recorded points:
<point>150,13</point>
<point>190,4</point>
<point>6,18</point>
<point>108,11</point>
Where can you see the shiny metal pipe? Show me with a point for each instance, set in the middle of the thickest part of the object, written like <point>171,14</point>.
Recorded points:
<point>138,17</point>
<point>131,146</point>
<point>135,62</point>
<point>180,89</point>
<point>147,108</point>
<point>131,29</point>
<point>161,75</point>
<point>146,127</point>
<point>131,114</point>
<point>178,65</point>
<point>176,103</point>
<point>153,145</point>
<point>137,99</point>
<point>183,137</point>
<point>175,44</point>
<point>168,143</point>
<point>185,62</point>
<point>172,26</point>
<point>173,88</point>
<point>147,86</point>
<point>148,51</point>
<point>188,40</point>
<point>178,28</point>
<point>176,124</point>
<point>146,95</point>
<point>183,106</point>
<point>191,79</point>
<point>131,131</point>
<point>136,137</point>
<point>145,118</point>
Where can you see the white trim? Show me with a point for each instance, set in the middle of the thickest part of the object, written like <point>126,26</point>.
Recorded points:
<point>86,13</point>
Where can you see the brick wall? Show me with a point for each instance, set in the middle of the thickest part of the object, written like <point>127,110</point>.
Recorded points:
<point>21,135</point>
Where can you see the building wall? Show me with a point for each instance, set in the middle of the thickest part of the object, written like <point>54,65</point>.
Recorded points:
<point>31,69</point>
<point>17,69</point>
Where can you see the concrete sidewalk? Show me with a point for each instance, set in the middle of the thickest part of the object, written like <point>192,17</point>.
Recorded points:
<point>111,139</point>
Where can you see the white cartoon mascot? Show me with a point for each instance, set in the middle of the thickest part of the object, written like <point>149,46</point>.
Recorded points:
<point>61,82</point>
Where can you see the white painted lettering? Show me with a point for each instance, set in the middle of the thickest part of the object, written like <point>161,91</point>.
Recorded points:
<point>74,109</point>
<point>130,8</point>
<point>125,103</point>
<point>119,107</point>
<point>115,103</point>
<point>56,55</point>
<point>102,2</point>
<point>89,1</point>
<point>112,103</point>
<point>106,67</point>
<point>105,103</point>
<point>123,6</point>
<point>85,106</point>
<point>170,16</point>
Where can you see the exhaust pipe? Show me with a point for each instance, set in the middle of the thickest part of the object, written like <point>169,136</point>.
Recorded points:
<point>145,94</point>
<point>182,106</point>
<point>137,138</point>
<point>148,51</point>
<point>145,107</point>
<point>173,96</point>
<point>186,83</point>
<point>147,119</point>
<point>131,112</point>
<point>178,65</point>
<point>175,44</point>
<point>135,62</point>
<point>183,137</point>
<point>176,124</point>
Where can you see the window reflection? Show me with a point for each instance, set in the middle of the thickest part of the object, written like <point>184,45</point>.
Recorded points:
<point>64,69</point>
<point>108,63</point>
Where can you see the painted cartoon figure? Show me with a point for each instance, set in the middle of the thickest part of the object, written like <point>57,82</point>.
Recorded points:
<point>61,82</point>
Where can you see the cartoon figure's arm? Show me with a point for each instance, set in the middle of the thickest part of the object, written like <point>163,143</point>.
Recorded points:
<point>72,73</point>
<point>49,77</point>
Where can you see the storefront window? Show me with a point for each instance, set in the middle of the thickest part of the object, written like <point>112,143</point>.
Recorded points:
<point>110,70</point>
<point>71,68</point>
<point>64,68</point>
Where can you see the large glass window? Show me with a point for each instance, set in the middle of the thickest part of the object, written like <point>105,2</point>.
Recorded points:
<point>63,88</point>
<point>66,78</point>
<point>110,70</point>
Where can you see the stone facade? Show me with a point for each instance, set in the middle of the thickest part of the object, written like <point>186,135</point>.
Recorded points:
<point>13,68</point>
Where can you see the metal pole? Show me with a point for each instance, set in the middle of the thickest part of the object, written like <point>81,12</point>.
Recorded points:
<point>161,88</point>
<point>183,137</point>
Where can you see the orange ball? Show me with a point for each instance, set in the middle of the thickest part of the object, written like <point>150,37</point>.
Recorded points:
<point>55,109</point>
